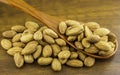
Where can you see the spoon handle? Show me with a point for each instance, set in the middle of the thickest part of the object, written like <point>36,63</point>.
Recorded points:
<point>47,20</point>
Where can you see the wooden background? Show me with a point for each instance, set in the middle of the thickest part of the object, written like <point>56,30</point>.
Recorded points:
<point>105,12</point>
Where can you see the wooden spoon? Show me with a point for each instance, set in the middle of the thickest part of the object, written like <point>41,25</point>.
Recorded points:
<point>49,21</point>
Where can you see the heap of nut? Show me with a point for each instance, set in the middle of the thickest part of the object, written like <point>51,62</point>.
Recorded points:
<point>33,42</point>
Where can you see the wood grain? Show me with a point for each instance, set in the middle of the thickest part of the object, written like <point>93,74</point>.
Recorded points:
<point>105,12</point>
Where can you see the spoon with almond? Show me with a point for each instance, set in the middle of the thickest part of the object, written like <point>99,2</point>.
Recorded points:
<point>53,23</point>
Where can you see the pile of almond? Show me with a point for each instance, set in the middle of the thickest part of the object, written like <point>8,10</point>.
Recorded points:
<point>33,42</point>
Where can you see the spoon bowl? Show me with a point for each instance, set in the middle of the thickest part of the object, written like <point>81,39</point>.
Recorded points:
<point>51,22</point>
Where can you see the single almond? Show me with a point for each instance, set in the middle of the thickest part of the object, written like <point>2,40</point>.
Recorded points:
<point>28,58</point>
<point>74,63</point>
<point>17,37</point>
<point>44,60</point>
<point>56,65</point>
<point>9,34</point>
<point>6,44</point>
<point>38,35</point>
<point>19,60</point>
<point>62,27</point>
<point>18,28</point>
<point>14,50</point>
<point>47,51</point>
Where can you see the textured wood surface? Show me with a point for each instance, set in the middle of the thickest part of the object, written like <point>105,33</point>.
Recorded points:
<point>105,12</point>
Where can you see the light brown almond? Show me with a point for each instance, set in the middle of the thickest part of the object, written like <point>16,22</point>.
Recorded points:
<point>43,43</point>
<point>18,44</point>
<point>104,38</point>
<point>38,52</point>
<point>92,25</point>
<point>18,28</point>
<point>92,49</point>
<point>88,32</point>
<point>64,48</point>
<point>62,27</point>
<point>19,60</point>
<point>60,42</point>
<point>26,38</point>
<point>74,63</point>
<point>17,37</point>
<point>50,33</point>
<point>9,34</point>
<point>89,61</point>
<point>73,55</point>
<point>93,38</point>
<point>85,43</point>
<point>56,65</point>
<point>6,44</point>
<point>81,56</point>
<point>28,58</point>
<point>112,37</point>
<point>64,54</point>
<point>74,30</point>
<point>44,60</point>
<point>14,50</point>
<point>29,48</point>
<point>31,25</point>
<point>80,36</point>
<point>38,35</point>
<point>56,49</point>
<point>101,31</point>
<point>105,46</point>
<point>71,38</point>
<point>47,51</point>
<point>72,22</point>
<point>79,45</point>
<point>48,39</point>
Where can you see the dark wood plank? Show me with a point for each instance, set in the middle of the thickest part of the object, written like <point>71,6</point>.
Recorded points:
<point>105,12</point>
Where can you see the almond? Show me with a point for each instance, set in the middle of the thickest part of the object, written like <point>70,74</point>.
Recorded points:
<point>62,27</point>
<point>88,32</point>
<point>38,35</point>
<point>47,51</point>
<point>73,55</point>
<point>56,65</point>
<point>6,44</point>
<point>92,25</point>
<point>56,49</point>
<point>17,37</point>
<point>101,31</point>
<point>18,44</point>
<point>79,45</point>
<point>31,25</point>
<point>14,50</point>
<point>18,28</point>
<point>28,58</point>
<point>64,54</point>
<point>60,42</point>
<point>89,61</point>
<point>30,48</point>
<point>38,52</point>
<point>85,43</point>
<point>19,60</point>
<point>74,30</point>
<point>74,63</point>
<point>72,22</point>
<point>44,60</point>
<point>71,38</point>
<point>105,46</point>
<point>50,33</point>
<point>9,34</point>
<point>48,39</point>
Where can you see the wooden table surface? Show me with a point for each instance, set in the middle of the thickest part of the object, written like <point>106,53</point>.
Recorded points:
<point>105,12</point>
